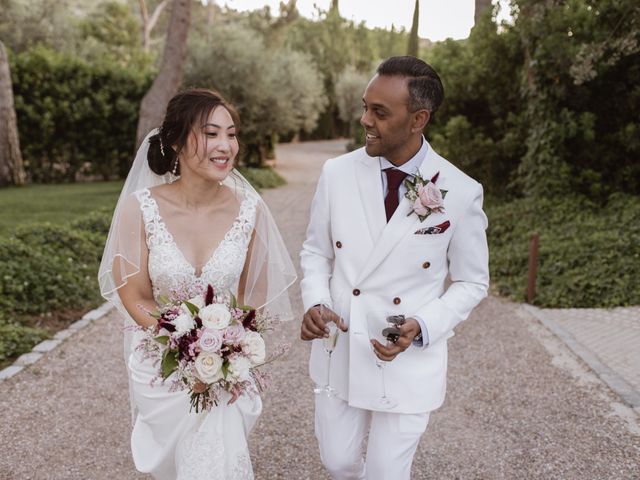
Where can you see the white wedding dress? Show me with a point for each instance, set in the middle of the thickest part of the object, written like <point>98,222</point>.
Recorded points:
<point>167,440</point>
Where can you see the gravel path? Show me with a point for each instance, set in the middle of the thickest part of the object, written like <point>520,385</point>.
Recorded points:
<point>519,404</point>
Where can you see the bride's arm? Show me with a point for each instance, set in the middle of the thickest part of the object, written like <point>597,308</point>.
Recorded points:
<point>135,292</point>
<point>137,296</point>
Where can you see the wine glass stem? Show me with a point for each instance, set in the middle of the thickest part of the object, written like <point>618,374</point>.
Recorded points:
<point>328,369</point>
<point>384,386</point>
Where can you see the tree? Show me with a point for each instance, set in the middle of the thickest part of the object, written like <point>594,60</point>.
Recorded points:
<point>108,34</point>
<point>348,92</point>
<point>148,22</point>
<point>11,168</point>
<point>480,7</point>
<point>169,78</point>
<point>277,91</point>
<point>412,46</point>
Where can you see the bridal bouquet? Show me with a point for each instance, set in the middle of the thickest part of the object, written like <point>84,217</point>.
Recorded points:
<point>210,346</point>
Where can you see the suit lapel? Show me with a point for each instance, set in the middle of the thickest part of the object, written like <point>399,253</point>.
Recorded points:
<point>401,222</point>
<point>370,189</point>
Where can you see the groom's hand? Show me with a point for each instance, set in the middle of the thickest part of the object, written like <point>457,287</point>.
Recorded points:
<point>314,326</point>
<point>408,331</point>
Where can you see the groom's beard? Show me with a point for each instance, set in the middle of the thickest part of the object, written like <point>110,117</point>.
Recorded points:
<point>392,148</point>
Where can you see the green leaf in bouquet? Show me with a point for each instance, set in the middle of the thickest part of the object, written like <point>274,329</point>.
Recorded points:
<point>163,339</point>
<point>234,301</point>
<point>169,363</point>
<point>246,308</point>
<point>193,309</point>
<point>225,369</point>
<point>156,315</point>
<point>163,300</point>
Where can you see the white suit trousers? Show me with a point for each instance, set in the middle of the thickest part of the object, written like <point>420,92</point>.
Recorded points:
<point>341,431</point>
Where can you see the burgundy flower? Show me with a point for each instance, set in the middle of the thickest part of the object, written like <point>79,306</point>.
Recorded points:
<point>249,321</point>
<point>209,297</point>
<point>170,327</point>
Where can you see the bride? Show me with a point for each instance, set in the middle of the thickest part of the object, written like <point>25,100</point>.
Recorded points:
<point>186,219</point>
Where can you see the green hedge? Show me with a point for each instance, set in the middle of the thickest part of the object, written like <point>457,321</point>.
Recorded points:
<point>262,177</point>
<point>589,254</point>
<point>47,268</point>
<point>74,117</point>
<point>17,339</point>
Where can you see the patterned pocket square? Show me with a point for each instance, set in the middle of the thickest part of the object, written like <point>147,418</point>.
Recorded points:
<point>433,230</point>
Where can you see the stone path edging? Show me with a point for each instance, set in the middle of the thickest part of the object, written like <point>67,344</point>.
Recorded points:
<point>606,374</point>
<point>48,345</point>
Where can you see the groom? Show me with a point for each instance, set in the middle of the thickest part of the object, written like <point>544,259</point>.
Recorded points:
<point>369,248</point>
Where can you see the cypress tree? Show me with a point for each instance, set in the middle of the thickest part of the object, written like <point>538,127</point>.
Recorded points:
<point>412,47</point>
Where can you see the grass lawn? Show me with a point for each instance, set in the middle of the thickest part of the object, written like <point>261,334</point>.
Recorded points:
<point>54,203</point>
<point>62,203</point>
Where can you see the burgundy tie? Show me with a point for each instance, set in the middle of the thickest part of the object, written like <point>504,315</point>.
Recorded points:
<point>394,180</point>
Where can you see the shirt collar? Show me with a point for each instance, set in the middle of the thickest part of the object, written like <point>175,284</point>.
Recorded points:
<point>413,165</point>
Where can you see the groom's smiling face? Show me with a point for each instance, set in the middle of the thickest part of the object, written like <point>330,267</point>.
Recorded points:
<point>386,119</point>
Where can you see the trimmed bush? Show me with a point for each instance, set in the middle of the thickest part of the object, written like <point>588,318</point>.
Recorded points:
<point>16,340</point>
<point>589,254</point>
<point>75,117</point>
<point>47,268</point>
<point>38,278</point>
<point>97,222</point>
<point>263,177</point>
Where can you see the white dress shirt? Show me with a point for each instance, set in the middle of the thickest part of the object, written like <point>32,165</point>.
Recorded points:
<point>410,168</point>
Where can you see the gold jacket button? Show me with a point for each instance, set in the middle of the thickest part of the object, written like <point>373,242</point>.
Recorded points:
<point>356,292</point>
<point>426,265</point>
<point>397,301</point>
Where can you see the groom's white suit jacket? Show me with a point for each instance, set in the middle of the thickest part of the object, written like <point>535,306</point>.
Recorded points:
<point>357,261</point>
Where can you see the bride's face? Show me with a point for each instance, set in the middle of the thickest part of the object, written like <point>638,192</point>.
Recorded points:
<point>211,148</point>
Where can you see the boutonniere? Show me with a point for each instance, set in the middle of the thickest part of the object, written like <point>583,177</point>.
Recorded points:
<point>424,196</point>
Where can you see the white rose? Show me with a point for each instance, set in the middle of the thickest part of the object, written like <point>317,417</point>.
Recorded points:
<point>239,368</point>
<point>209,367</point>
<point>253,345</point>
<point>215,315</point>
<point>198,301</point>
<point>183,323</point>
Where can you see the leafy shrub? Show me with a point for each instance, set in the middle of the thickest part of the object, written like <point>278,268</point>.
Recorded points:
<point>35,278</point>
<point>589,254</point>
<point>46,268</point>
<point>263,177</point>
<point>97,222</point>
<point>16,340</point>
<point>75,117</point>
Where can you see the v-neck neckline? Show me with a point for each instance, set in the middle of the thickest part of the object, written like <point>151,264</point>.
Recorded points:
<point>177,247</point>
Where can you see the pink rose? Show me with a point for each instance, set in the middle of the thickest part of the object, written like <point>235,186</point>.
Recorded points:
<point>430,196</point>
<point>233,335</point>
<point>210,340</point>
<point>419,208</point>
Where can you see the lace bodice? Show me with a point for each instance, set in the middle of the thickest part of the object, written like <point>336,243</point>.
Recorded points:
<point>173,276</point>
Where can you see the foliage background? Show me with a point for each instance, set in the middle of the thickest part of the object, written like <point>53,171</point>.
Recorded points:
<point>543,111</point>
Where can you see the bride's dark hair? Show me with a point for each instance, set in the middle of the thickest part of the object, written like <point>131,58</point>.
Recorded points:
<point>184,110</point>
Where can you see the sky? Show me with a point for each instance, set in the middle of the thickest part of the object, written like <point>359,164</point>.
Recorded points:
<point>439,19</point>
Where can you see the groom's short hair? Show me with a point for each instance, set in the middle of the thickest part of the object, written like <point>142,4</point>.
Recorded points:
<point>425,87</point>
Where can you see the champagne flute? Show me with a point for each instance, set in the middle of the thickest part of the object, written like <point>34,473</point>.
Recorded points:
<point>329,344</point>
<point>377,322</point>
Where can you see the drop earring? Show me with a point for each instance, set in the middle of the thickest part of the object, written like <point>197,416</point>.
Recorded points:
<point>175,168</point>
